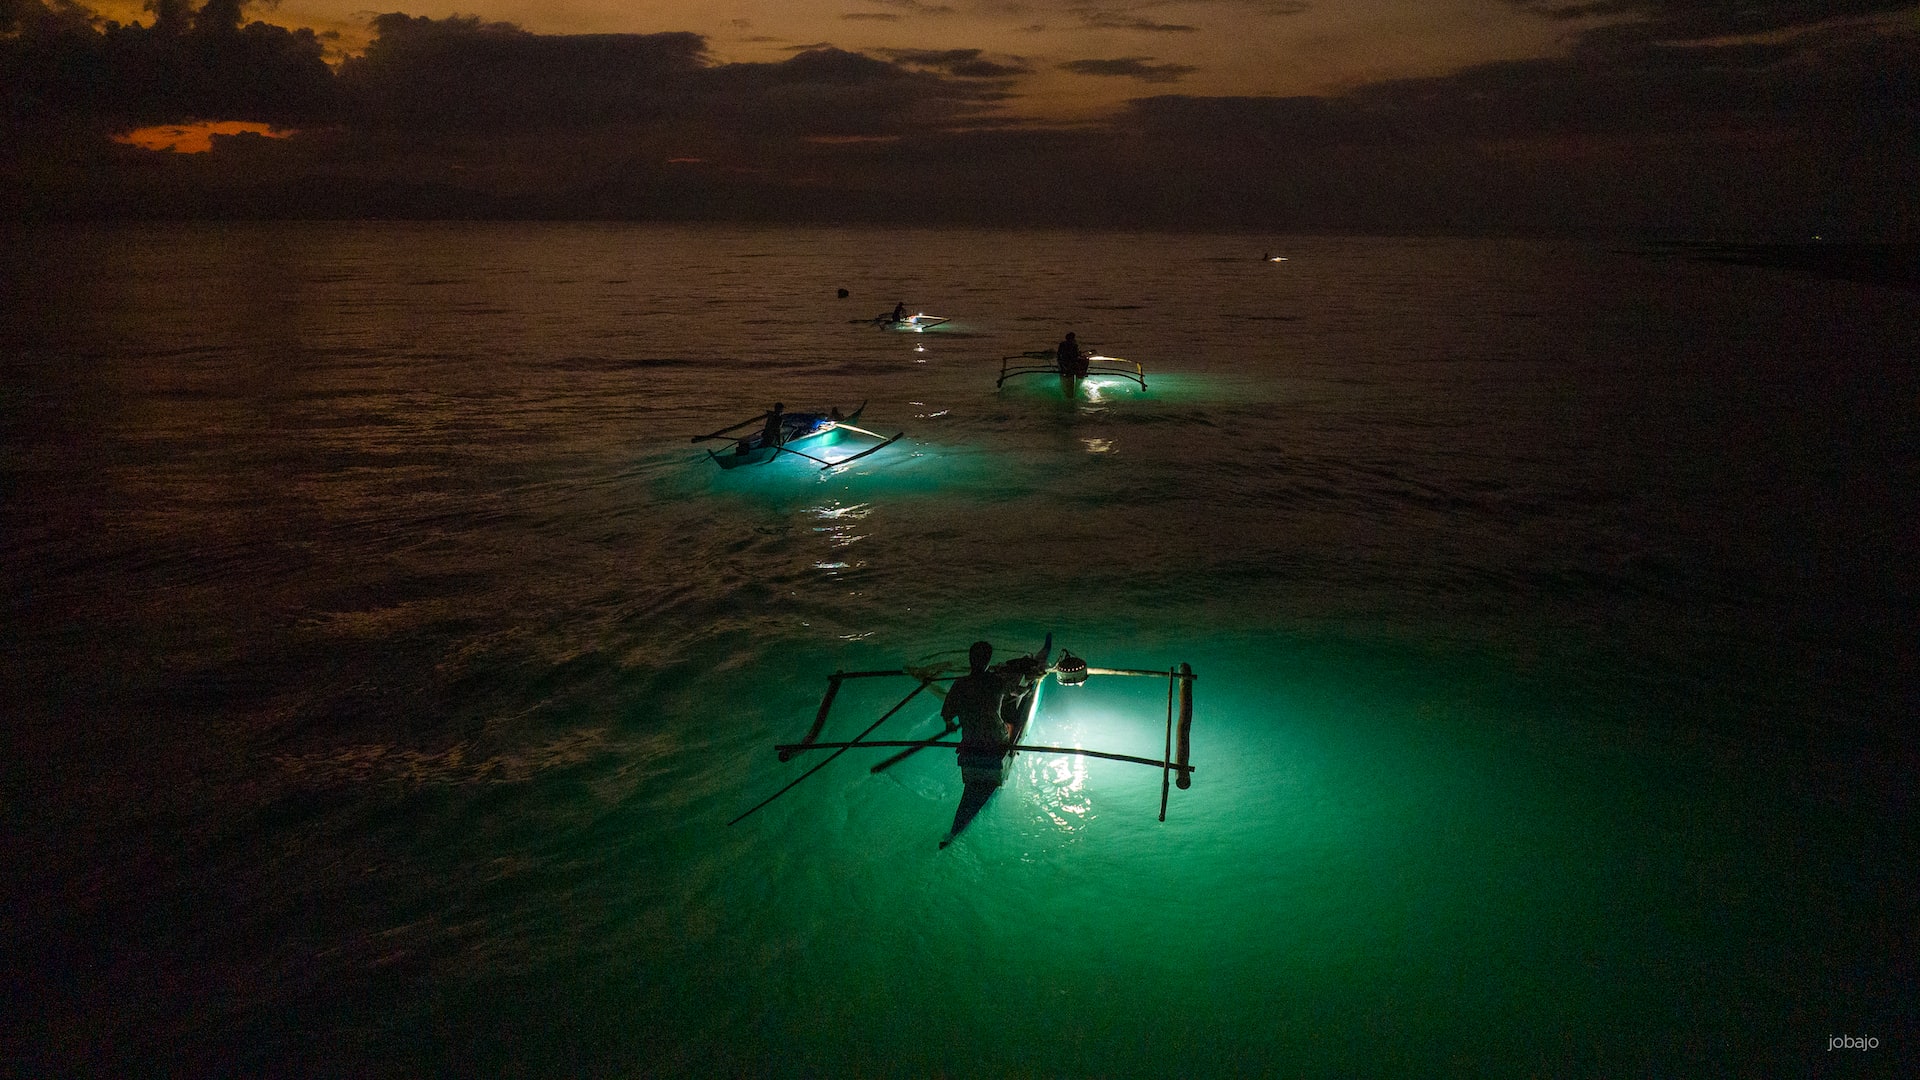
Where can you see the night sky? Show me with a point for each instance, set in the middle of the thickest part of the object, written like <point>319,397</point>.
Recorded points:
<point>1732,119</point>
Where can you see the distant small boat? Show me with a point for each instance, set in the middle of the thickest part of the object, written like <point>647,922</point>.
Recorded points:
<point>916,322</point>
<point>795,427</point>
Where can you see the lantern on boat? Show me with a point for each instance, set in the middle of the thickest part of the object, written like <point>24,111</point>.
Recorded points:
<point>1071,670</point>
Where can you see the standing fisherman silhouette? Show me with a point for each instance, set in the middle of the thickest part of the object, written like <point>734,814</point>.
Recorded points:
<point>1070,359</point>
<point>773,434</point>
<point>991,705</point>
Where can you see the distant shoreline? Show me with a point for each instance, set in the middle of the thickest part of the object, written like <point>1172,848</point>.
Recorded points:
<point>1895,265</point>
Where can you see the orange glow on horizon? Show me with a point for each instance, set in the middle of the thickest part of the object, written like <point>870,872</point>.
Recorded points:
<point>196,138</point>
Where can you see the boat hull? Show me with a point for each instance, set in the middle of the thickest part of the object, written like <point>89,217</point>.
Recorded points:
<point>914,323</point>
<point>798,428</point>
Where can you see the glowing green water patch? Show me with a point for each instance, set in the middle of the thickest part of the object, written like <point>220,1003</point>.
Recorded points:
<point>908,467</point>
<point>1201,387</point>
<point>1112,714</point>
<point>1380,838</point>
<point>944,326</point>
<point>1094,388</point>
<point>1178,387</point>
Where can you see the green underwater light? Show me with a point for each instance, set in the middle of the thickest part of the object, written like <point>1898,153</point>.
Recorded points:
<point>909,468</point>
<point>1099,389</point>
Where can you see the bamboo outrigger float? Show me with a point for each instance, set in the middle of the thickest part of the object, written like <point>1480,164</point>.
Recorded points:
<point>1047,362</point>
<point>795,427</point>
<point>981,778</point>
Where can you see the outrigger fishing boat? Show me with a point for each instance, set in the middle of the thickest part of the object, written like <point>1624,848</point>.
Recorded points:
<point>983,773</point>
<point>916,322</point>
<point>1047,362</point>
<point>795,427</point>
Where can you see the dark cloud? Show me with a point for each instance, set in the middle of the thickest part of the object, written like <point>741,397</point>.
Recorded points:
<point>463,74</point>
<point>44,19</point>
<point>1130,67</point>
<point>1811,81</point>
<point>916,6</point>
<point>960,63</point>
<point>57,61</point>
<point>1819,133</point>
<point>1837,83</point>
<point>1120,20</point>
<point>1642,21</point>
<point>871,16</point>
<point>832,92</point>
<point>1270,7</point>
<point>459,74</point>
<point>1816,130</point>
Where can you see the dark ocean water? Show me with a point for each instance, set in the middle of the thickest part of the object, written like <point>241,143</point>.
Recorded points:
<point>384,663</point>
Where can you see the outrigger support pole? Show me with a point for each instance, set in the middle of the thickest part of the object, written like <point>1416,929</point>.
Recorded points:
<point>833,690</point>
<point>825,464</point>
<point>1184,677</point>
<point>826,703</point>
<point>1166,756</point>
<point>912,750</point>
<point>785,449</point>
<point>869,450</point>
<point>1186,725</point>
<point>881,744</point>
<point>1185,673</point>
<point>843,748</point>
